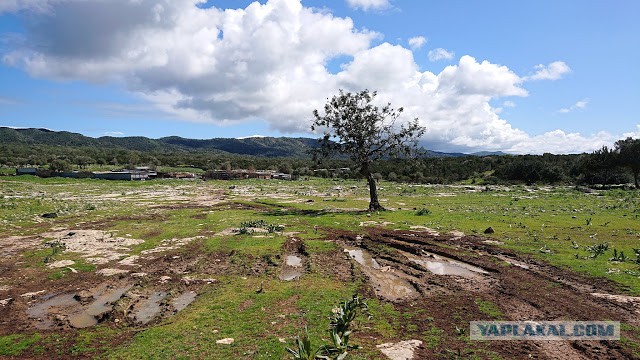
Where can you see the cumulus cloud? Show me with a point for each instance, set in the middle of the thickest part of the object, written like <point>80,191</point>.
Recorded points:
<point>269,62</point>
<point>553,71</point>
<point>440,54</point>
<point>508,104</point>
<point>367,5</point>
<point>578,105</point>
<point>417,42</point>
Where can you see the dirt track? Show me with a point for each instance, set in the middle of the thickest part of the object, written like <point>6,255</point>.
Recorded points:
<point>522,288</point>
<point>156,285</point>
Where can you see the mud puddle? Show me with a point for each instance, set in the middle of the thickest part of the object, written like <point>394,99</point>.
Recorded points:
<point>388,284</point>
<point>292,269</point>
<point>67,308</point>
<point>53,304</point>
<point>441,265</point>
<point>362,257</point>
<point>95,312</point>
<point>147,310</point>
<point>183,300</point>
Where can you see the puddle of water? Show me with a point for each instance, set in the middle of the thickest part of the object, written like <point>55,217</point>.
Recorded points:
<point>362,257</point>
<point>290,275</point>
<point>183,300</point>
<point>386,284</point>
<point>102,305</point>
<point>147,310</point>
<point>294,261</point>
<point>41,311</point>
<point>441,265</point>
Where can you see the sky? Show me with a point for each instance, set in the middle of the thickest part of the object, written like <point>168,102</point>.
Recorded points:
<point>558,76</point>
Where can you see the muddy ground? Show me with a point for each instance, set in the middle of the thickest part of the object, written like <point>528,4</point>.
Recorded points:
<point>437,279</point>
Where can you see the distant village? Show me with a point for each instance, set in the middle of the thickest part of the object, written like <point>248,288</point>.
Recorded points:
<point>146,173</point>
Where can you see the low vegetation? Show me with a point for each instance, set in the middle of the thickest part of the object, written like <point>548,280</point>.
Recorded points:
<point>592,233</point>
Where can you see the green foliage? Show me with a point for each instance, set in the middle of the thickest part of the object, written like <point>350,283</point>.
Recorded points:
<point>57,247</point>
<point>423,211</point>
<point>14,345</point>
<point>628,151</point>
<point>619,256</point>
<point>339,333</point>
<point>597,249</point>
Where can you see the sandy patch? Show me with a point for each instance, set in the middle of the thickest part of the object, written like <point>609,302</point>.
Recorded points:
<point>96,246</point>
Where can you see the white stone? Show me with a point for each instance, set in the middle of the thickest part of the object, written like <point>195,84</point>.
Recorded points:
<point>225,341</point>
<point>403,350</point>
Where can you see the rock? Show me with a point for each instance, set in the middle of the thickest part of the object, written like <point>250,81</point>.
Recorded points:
<point>225,341</point>
<point>489,230</point>
<point>111,272</point>
<point>403,350</point>
<point>84,297</point>
<point>61,264</point>
<point>32,295</point>
<point>6,302</point>
<point>51,215</point>
<point>165,279</point>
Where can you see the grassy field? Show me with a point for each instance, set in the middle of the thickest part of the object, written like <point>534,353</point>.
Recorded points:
<point>591,233</point>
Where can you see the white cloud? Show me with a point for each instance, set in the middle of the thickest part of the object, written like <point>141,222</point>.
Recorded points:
<point>367,5</point>
<point>508,104</point>
<point>553,71</point>
<point>269,62</point>
<point>113,133</point>
<point>417,42</point>
<point>577,106</point>
<point>440,54</point>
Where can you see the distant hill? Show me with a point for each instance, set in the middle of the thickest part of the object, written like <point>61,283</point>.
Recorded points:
<point>255,146</point>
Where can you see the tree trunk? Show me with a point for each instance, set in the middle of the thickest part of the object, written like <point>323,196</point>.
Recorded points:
<point>374,204</point>
<point>635,177</point>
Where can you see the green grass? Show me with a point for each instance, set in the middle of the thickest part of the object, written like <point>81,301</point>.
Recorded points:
<point>489,308</point>
<point>525,219</point>
<point>233,309</point>
<point>14,345</point>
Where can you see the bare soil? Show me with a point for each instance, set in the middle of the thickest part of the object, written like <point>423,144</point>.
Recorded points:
<point>157,284</point>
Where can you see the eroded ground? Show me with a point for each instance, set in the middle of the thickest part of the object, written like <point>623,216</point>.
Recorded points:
<point>177,270</point>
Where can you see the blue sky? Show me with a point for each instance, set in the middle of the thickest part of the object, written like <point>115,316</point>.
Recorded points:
<point>515,76</point>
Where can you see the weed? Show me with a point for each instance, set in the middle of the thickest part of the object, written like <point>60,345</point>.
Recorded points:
<point>339,333</point>
<point>637,254</point>
<point>243,230</point>
<point>423,211</point>
<point>597,249</point>
<point>620,257</point>
<point>57,246</point>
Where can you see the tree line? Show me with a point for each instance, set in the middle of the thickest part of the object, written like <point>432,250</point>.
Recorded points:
<point>606,166</point>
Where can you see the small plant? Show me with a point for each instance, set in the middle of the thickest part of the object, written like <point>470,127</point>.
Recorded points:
<point>620,257</point>
<point>339,333</point>
<point>57,246</point>
<point>575,245</point>
<point>243,230</point>
<point>253,224</point>
<point>304,350</point>
<point>637,254</point>
<point>423,211</point>
<point>588,222</point>
<point>272,228</point>
<point>597,249</point>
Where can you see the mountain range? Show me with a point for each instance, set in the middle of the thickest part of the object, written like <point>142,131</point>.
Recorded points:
<point>255,145</point>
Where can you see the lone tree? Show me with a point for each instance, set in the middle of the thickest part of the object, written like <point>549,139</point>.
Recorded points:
<point>366,133</point>
<point>628,151</point>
